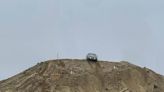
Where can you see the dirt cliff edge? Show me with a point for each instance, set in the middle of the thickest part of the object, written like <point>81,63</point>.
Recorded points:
<point>72,75</point>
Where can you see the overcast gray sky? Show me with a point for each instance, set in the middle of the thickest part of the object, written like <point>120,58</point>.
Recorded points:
<point>36,30</point>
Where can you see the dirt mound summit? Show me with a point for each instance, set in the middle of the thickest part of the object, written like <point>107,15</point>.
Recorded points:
<point>72,75</point>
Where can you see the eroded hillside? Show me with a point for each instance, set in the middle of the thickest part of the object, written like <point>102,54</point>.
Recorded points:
<point>71,75</point>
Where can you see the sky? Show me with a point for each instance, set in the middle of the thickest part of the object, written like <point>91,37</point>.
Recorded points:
<point>32,31</point>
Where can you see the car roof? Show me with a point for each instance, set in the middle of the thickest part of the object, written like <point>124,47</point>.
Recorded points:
<point>91,54</point>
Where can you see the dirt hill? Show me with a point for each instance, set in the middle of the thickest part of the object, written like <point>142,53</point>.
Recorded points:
<point>71,75</point>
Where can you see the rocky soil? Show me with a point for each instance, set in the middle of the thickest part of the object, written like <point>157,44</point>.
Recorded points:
<point>71,75</point>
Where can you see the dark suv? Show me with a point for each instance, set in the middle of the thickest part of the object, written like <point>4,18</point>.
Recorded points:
<point>91,57</point>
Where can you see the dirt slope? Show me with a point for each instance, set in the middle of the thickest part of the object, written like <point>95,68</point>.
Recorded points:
<point>69,75</point>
